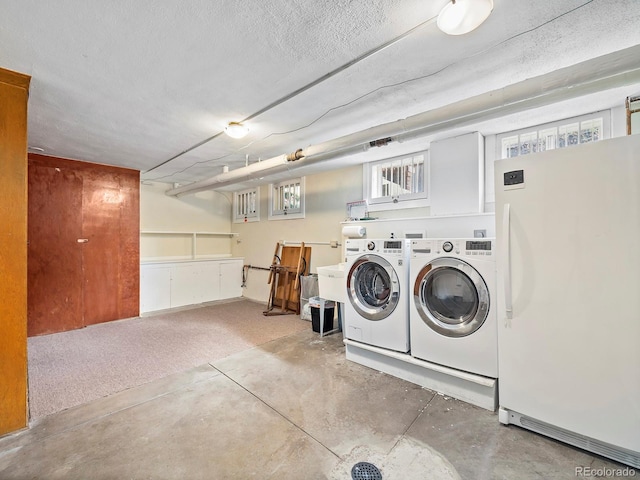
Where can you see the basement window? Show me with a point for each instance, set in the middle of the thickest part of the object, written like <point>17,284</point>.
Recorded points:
<point>561,134</point>
<point>398,182</point>
<point>286,199</point>
<point>246,206</point>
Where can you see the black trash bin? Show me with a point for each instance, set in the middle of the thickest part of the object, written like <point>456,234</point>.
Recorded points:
<point>329,308</point>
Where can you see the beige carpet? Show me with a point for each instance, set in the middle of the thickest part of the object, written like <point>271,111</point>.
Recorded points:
<point>71,368</point>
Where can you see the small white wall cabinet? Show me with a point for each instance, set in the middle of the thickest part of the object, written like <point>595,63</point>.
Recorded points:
<point>457,175</point>
<point>175,284</point>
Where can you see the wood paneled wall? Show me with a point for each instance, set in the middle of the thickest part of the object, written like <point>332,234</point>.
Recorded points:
<point>14,88</point>
<point>84,244</point>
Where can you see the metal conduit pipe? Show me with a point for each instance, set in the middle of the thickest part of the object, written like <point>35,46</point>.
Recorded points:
<point>275,164</point>
<point>603,73</point>
<point>271,166</point>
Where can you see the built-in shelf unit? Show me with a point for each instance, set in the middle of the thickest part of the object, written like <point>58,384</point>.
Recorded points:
<point>183,245</point>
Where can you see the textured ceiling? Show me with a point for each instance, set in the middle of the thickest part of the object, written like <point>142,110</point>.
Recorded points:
<point>142,84</point>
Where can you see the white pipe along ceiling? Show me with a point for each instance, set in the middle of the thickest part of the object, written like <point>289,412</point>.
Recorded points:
<point>152,86</point>
<point>619,70</point>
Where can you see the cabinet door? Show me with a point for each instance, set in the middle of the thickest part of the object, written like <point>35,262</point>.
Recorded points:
<point>111,261</point>
<point>230,279</point>
<point>183,285</point>
<point>54,278</point>
<point>194,282</point>
<point>155,288</point>
<point>207,285</point>
<point>101,214</point>
<point>456,165</point>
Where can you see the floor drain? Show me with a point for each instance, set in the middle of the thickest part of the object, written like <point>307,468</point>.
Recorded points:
<point>365,471</point>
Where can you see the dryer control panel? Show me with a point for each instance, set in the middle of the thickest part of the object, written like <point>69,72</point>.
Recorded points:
<point>479,247</point>
<point>466,247</point>
<point>456,247</point>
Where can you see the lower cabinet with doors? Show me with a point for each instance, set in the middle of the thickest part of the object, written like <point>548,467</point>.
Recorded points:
<point>171,284</point>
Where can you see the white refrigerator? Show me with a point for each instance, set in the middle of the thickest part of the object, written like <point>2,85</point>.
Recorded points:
<point>568,246</point>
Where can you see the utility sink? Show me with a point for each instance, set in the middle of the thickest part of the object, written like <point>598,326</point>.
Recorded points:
<point>332,284</point>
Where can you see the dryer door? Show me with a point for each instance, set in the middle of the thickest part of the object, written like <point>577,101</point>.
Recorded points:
<point>372,287</point>
<point>451,297</point>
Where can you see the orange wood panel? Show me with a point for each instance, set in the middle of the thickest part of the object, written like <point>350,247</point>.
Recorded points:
<point>101,254</point>
<point>111,223</point>
<point>109,220</point>
<point>55,256</point>
<point>13,251</point>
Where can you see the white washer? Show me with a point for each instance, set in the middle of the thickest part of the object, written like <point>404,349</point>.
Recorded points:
<point>376,311</point>
<point>452,310</point>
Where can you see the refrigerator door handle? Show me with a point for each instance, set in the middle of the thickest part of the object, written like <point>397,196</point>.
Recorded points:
<point>506,260</point>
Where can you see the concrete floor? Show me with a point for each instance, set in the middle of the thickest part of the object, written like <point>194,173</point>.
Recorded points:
<point>294,408</point>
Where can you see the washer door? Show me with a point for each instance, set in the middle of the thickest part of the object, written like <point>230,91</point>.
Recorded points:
<point>372,287</point>
<point>451,297</point>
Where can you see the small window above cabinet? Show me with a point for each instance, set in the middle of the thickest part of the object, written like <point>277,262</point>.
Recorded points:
<point>183,245</point>
<point>399,182</point>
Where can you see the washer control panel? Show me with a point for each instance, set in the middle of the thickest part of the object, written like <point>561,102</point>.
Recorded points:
<point>393,246</point>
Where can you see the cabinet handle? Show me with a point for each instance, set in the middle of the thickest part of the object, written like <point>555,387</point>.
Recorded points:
<point>82,240</point>
<point>506,262</point>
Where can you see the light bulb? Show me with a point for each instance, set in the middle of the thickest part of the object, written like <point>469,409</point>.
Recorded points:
<point>236,130</point>
<point>462,16</point>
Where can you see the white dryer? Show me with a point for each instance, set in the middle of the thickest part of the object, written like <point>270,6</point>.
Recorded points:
<point>452,311</point>
<point>376,311</point>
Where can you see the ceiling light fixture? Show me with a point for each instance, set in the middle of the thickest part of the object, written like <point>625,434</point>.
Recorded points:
<point>462,16</point>
<point>236,130</point>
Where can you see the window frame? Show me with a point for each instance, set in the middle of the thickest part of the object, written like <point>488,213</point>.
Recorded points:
<point>287,213</point>
<point>557,126</point>
<point>246,216</point>
<point>392,202</point>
